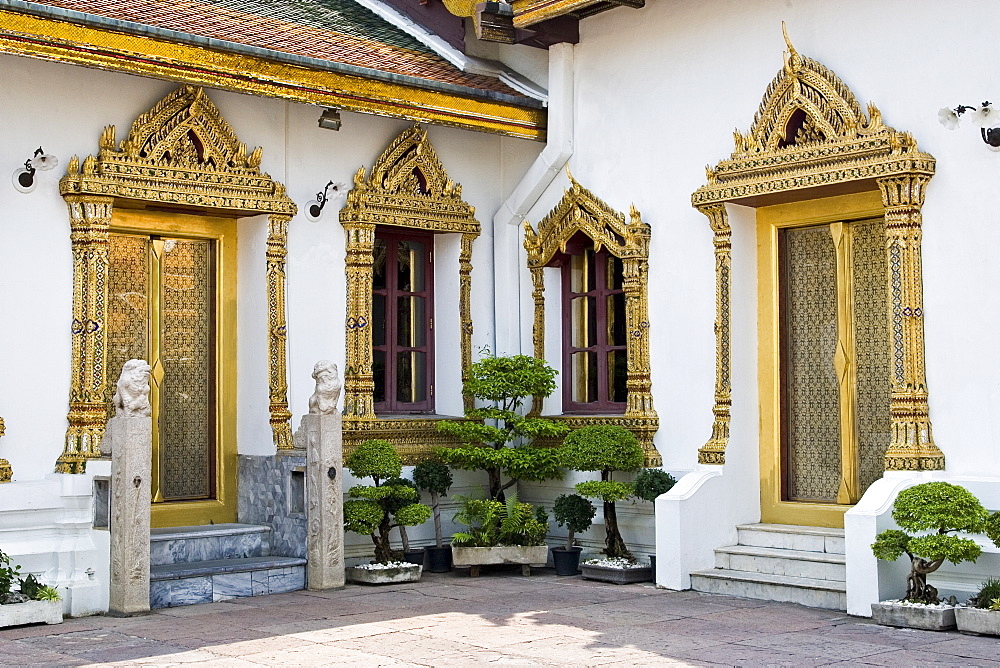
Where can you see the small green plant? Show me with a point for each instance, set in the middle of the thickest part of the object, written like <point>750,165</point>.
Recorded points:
<point>47,593</point>
<point>30,587</point>
<point>929,514</point>
<point>497,438</point>
<point>605,448</point>
<point>494,523</point>
<point>8,575</point>
<point>650,483</point>
<point>987,595</point>
<point>575,513</point>
<point>376,510</point>
<point>435,477</point>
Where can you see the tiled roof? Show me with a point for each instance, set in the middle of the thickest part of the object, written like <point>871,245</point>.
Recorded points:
<point>336,31</point>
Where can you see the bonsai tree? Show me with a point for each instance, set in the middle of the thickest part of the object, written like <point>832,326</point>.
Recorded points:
<point>397,505</point>
<point>435,477</point>
<point>929,515</point>
<point>605,448</point>
<point>497,438</point>
<point>575,513</point>
<point>650,483</point>
<point>376,510</point>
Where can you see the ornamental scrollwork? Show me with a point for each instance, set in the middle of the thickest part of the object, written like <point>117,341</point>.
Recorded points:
<point>407,187</point>
<point>581,211</point>
<point>810,132</point>
<point>181,153</point>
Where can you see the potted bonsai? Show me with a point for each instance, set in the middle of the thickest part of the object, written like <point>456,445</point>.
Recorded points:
<point>497,438</point>
<point>374,510</point>
<point>500,532</point>
<point>649,484</point>
<point>576,514</point>
<point>929,514</point>
<point>32,603</point>
<point>607,448</point>
<point>434,476</point>
<point>982,613</point>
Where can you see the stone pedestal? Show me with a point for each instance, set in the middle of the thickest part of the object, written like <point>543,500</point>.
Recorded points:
<point>131,466</point>
<point>324,500</point>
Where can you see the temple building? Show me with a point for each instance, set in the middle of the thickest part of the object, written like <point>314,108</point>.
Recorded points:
<point>232,190</point>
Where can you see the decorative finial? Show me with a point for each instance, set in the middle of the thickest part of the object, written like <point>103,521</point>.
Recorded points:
<point>792,57</point>
<point>570,175</point>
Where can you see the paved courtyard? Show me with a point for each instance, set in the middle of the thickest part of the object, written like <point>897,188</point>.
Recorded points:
<point>501,617</point>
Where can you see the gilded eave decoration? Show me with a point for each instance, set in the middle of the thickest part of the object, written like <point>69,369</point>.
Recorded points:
<point>811,138</point>
<point>581,211</point>
<point>408,188</point>
<point>181,153</point>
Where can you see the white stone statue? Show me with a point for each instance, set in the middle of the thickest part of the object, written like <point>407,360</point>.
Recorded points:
<point>132,396</point>
<point>324,399</point>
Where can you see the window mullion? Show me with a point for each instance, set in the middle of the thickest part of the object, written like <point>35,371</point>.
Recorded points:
<point>845,366</point>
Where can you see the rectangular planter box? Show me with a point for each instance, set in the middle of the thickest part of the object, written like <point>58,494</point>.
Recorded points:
<point>913,617</point>
<point>377,576</point>
<point>474,557</point>
<point>978,621</point>
<point>31,612</point>
<point>617,575</point>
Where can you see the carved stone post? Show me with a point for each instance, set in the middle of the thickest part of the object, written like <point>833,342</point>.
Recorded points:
<point>912,447</point>
<point>131,432</point>
<point>90,218</point>
<point>277,236</point>
<point>714,452</point>
<point>323,429</point>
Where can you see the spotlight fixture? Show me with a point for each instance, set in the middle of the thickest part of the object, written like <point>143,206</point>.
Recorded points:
<point>24,177</point>
<point>315,207</point>
<point>330,119</point>
<point>985,116</point>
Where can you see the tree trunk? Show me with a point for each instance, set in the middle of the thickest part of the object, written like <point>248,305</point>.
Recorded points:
<point>569,540</point>
<point>496,485</point>
<point>383,548</point>
<point>404,539</point>
<point>436,505</point>
<point>614,545</point>
<point>917,589</point>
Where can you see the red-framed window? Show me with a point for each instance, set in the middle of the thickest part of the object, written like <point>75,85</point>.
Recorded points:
<point>595,350</point>
<point>403,322</point>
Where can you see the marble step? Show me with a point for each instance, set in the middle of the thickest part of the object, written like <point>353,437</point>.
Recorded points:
<point>765,586</point>
<point>173,545</point>
<point>791,537</point>
<point>777,561</point>
<point>188,583</point>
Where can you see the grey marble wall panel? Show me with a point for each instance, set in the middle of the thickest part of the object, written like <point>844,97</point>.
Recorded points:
<point>264,486</point>
<point>231,585</point>
<point>286,579</point>
<point>159,594</point>
<point>188,591</point>
<point>258,581</point>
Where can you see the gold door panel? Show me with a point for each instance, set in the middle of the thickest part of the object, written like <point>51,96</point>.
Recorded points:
<point>171,303</point>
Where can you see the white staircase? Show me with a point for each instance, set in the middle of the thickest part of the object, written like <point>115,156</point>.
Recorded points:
<point>780,562</point>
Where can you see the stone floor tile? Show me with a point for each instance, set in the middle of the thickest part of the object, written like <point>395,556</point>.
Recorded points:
<point>976,647</point>
<point>814,645</point>
<point>924,657</point>
<point>742,655</point>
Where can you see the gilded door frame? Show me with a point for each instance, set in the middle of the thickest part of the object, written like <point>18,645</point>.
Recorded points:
<point>222,230</point>
<point>810,139</point>
<point>180,156</point>
<point>770,220</point>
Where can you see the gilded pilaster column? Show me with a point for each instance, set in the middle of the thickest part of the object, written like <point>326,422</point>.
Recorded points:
<point>714,452</point>
<point>359,387</point>
<point>538,326</point>
<point>90,218</point>
<point>465,311</point>
<point>635,268</point>
<point>6,472</point>
<point>912,447</point>
<point>277,237</point>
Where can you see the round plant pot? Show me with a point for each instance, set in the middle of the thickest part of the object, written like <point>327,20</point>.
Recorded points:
<point>566,560</point>
<point>652,565</point>
<point>439,559</point>
<point>414,556</point>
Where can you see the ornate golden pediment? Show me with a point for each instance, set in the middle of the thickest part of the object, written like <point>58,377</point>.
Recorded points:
<point>581,211</point>
<point>180,152</point>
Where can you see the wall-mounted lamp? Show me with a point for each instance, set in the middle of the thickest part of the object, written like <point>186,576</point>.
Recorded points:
<point>984,116</point>
<point>315,207</point>
<point>330,119</point>
<point>24,177</point>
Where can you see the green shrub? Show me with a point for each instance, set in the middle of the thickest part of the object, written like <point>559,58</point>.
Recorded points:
<point>8,575</point>
<point>987,594</point>
<point>928,515</point>
<point>575,513</point>
<point>495,523</point>
<point>497,439</point>
<point>434,476</point>
<point>651,483</point>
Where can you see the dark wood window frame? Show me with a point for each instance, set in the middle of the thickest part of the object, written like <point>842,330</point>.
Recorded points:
<point>390,347</point>
<point>603,405</point>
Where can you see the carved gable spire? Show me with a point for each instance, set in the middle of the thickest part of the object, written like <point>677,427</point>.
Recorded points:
<point>411,166</point>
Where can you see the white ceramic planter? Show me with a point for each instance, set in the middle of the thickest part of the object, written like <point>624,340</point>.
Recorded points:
<point>978,621</point>
<point>616,575</point>
<point>378,576</point>
<point>474,557</point>
<point>31,612</point>
<point>913,616</point>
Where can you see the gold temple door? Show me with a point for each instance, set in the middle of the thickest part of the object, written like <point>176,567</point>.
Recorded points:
<point>171,303</point>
